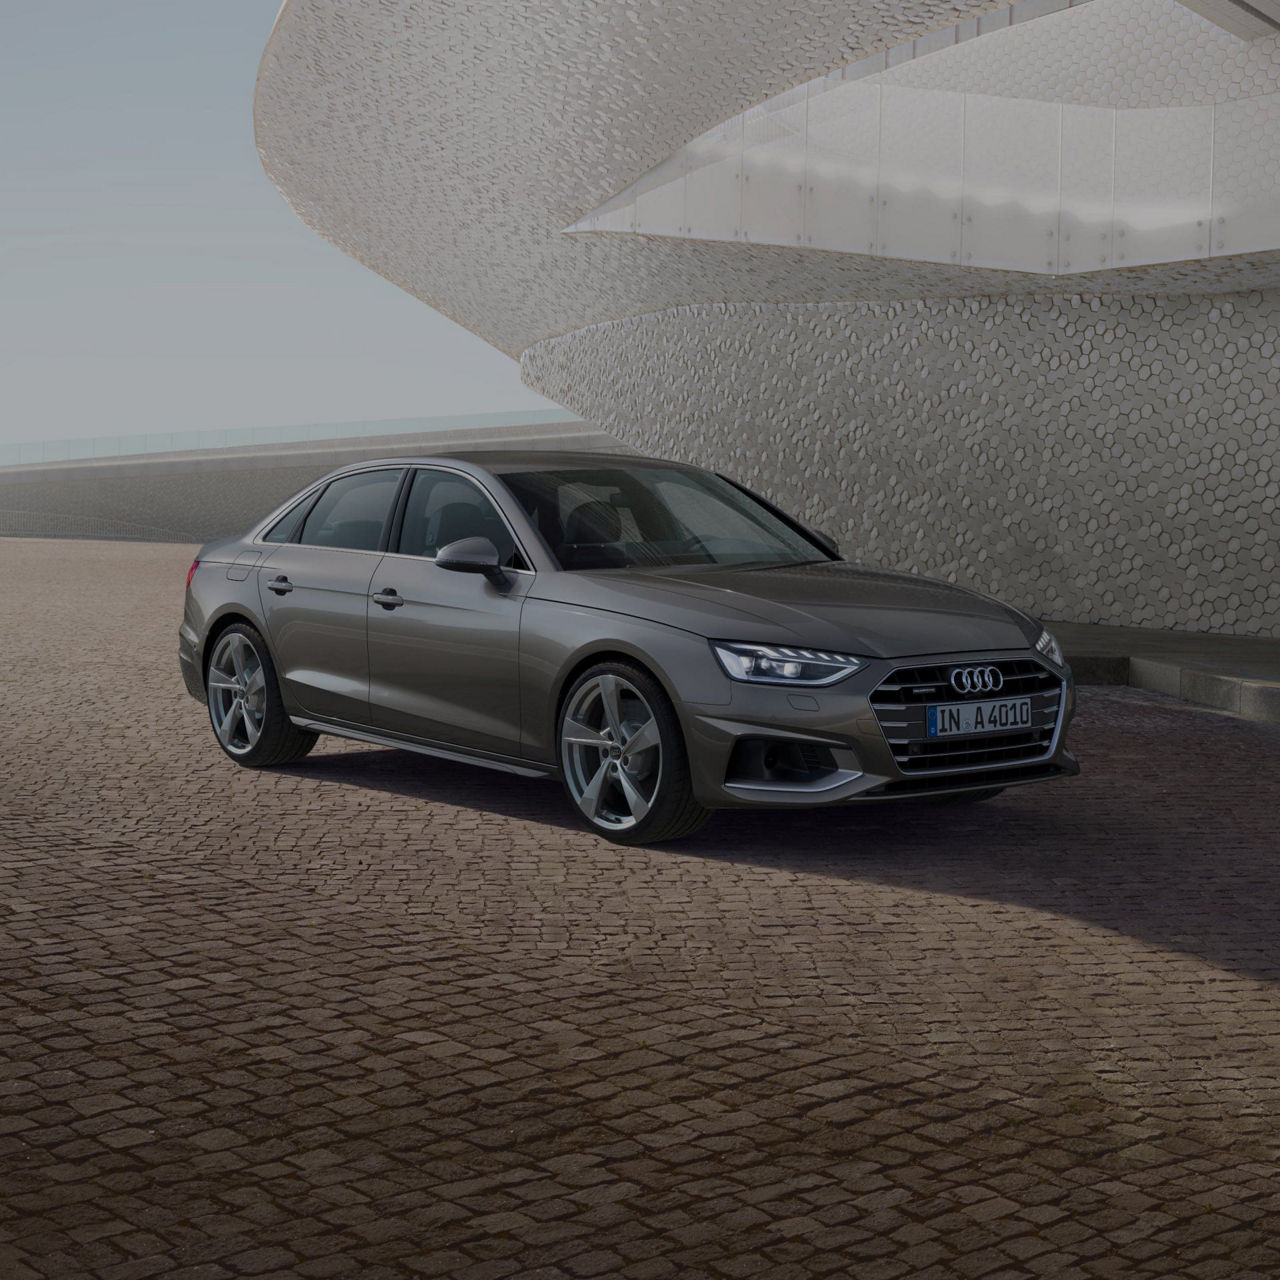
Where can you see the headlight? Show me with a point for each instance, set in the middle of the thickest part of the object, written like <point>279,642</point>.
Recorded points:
<point>777,664</point>
<point>1050,648</point>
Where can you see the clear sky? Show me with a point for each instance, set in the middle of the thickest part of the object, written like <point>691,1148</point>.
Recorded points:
<point>152,279</point>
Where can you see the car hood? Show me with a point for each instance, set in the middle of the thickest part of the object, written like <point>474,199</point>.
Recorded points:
<point>831,605</point>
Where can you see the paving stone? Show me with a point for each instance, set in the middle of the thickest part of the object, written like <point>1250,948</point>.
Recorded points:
<point>371,1017</point>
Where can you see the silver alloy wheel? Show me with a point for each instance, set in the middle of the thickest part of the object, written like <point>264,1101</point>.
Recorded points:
<point>611,747</point>
<point>237,693</point>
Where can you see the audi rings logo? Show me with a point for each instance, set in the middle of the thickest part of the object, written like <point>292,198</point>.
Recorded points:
<point>976,680</point>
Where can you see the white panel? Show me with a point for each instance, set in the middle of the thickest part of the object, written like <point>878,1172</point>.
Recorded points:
<point>620,219</point>
<point>1163,158</point>
<point>1085,224</point>
<point>660,212</point>
<point>1010,214</point>
<point>713,187</point>
<point>840,168</point>
<point>773,170</point>
<point>1030,10</point>
<point>1246,176</point>
<point>868,66</point>
<point>934,42</point>
<point>974,180</point>
<point>921,153</point>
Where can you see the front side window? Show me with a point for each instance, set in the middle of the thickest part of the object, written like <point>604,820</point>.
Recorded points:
<point>444,507</point>
<point>603,517</point>
<point>352,512</point>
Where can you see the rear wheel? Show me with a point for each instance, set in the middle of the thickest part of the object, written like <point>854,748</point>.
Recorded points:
<point>623,758</point>
<point>245,708</point>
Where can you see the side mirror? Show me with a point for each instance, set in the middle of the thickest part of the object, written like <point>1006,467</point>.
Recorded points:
<point>472,555</point>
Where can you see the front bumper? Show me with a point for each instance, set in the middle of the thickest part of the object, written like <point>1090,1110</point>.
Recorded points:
<point>840,727</point>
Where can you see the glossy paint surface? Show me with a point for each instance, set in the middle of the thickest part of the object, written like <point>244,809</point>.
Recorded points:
<point>400,649</point>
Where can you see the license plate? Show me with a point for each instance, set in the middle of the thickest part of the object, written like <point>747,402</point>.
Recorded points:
<point>979,717</point>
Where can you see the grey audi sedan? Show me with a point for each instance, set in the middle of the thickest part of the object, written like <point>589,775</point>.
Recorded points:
<point>659,638</point>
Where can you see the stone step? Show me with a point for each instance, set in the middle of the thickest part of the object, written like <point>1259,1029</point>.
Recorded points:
<point>1251,696</point>
<point>1236,674</point>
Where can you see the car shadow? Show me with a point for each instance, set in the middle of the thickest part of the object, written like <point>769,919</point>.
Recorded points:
<point>439,781</point>
<point>1171,835</point>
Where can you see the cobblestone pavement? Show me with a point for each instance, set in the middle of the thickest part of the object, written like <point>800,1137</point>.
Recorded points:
<point>376,1016</point>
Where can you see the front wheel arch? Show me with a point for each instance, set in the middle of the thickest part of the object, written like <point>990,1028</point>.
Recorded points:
<point>609,650</point>
<point>594,659</point>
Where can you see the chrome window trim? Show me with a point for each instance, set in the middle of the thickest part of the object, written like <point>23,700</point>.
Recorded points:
<point>402,555</point>
<point>269,522</point>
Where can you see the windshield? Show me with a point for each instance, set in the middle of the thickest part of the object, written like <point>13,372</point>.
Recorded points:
<point>611,517</point>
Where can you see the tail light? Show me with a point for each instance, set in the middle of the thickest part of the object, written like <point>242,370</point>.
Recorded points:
<point>191,573</point>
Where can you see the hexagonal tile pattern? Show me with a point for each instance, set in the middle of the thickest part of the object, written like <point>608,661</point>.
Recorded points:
<point>1100,460</point>
<point>446,146</point>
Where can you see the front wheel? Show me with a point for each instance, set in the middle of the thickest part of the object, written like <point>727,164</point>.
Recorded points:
<point>245,708</point>
<point>623,758</point>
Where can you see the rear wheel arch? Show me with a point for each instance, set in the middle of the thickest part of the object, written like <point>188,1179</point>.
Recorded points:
<point>231,615</point>
<point>246,703</point>
<point>216,628</point>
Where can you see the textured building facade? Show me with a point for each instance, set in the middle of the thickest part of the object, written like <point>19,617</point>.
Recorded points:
<point>1098,445</point>
<point>1105,460</point>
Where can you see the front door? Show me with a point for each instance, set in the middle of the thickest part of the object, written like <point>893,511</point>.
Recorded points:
<point>315,596</point>
<point>444,646</point>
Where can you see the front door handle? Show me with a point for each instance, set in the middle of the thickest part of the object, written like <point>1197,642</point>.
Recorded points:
<point>280,585</point>
<point>388,599</point>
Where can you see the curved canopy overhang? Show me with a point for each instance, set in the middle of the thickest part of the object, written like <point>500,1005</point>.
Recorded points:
<point>894,171</point>
<point>447,145</point>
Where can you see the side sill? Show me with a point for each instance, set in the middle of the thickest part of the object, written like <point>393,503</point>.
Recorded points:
<point>442,753</point>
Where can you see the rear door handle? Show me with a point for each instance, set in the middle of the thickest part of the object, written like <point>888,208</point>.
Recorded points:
<point>388,599</point>
<point>280,585</point>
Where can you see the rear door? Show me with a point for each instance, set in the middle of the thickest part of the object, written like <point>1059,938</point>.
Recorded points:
<point>444,646</point>
<point>315,593</point>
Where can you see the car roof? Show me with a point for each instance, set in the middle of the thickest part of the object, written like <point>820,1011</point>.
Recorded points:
<point>498,461</point>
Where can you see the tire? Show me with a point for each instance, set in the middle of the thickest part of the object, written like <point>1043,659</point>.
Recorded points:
<point>644,796</point>
<point>970,797</point>
<point>254,730</point>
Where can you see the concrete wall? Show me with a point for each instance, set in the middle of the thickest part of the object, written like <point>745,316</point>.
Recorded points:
<point>1098,459</point>
<point>196,497</point>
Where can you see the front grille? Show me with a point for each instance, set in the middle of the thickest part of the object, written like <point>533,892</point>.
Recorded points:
<point>901,700</point>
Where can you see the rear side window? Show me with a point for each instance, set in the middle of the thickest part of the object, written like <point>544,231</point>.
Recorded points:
<point>286,528</point>
<point>352,512</point>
